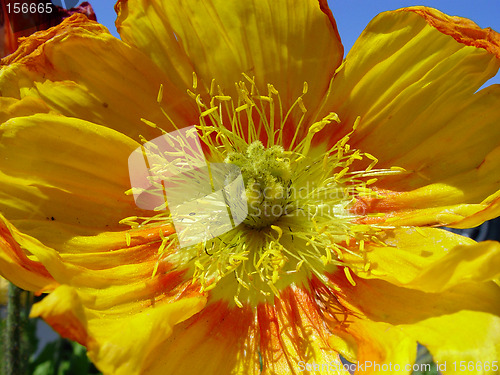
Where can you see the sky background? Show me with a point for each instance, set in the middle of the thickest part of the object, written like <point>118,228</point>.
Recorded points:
<point>353,15</point>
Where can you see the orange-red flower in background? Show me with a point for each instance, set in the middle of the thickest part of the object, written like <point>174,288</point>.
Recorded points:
<point>18,23</point>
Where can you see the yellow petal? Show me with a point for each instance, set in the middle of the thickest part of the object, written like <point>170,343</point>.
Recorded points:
<point>63,310</point>
<point>461,184</point>
<point>459,324</point>
<point>466,342</point>
<point>113,337</point>
<point>405,76</point>
<point>374,345</point>
<point>64,170</point>
<point>479,262</point>
<point>218,340</point>
<point>284,43</point>
<point>371,298</point>
<point>461,151</point>
<point>427,259</point>
<point>293,333</point>
<point>410,253</point>
<point>64,68</point>
<point>381,348</point>
<point>284,337</point>
<point>16,266</point>
<point>463,201</point>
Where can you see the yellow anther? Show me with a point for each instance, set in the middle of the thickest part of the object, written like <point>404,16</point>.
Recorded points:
<point>302,107</point>
<point>212,87</point>
<point>272,90</point>
<point>356,123</point>
<point>128,238</point>
<point>209,287</point>
<point>279,230</point>
<point>159,98</point>
<point>195,81</point>
<point>342,173</point>
<point>191,94</point>
<point>305,88</point>
<point>318,126</point>
<point>208,111</point>
<point>149,123</point>
<point>242,107</point>
<point>299,265</point>
<point>398,169</point>
<point>349,276</point>
<point>223,98</point>
<point>338,252</point>
<point>238,303</point>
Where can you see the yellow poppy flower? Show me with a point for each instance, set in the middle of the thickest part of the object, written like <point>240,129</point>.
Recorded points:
<point>364,158</point>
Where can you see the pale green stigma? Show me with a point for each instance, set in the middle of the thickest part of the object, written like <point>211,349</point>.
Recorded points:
<point>267,177</point>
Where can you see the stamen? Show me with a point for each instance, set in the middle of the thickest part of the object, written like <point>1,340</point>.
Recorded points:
<point>311,195</point>
<point>349,276</point>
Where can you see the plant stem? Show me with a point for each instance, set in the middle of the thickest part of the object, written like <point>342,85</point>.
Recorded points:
<point>13,332</point>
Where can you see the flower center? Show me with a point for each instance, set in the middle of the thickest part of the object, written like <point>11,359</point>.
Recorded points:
<point>299,221</point>
<point>267,178</point>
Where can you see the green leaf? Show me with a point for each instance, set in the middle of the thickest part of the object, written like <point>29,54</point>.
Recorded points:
<point>425,362</point>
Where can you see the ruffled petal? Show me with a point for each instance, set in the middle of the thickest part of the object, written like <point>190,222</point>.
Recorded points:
<point>463,342</point>
<point>112,336</point>
<point>428,259</point>
<point>293,334</point>
<point>221,339</point>
<point>370,298</point>
<point>374,345</point>
<point>64,170</point>
<point>64,68</point>
<point>380,348</point>
<point>412,78</point>
<point>444,322</point>
<point>14,25</point>
<point>404,76</point>
<point>17,266</point>
<point>457,202</point>
<point>288,336</point>
<point>220,40</point>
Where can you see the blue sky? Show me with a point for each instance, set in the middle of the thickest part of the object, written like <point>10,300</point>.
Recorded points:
<point>353,15</point>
